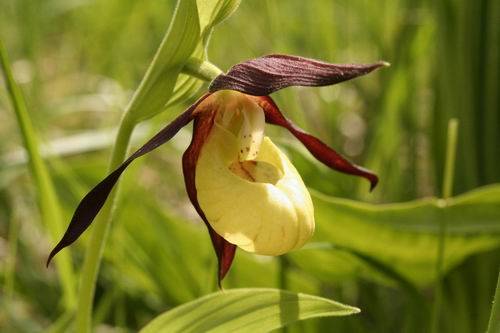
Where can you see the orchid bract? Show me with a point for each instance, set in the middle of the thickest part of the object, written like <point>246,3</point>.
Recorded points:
<point>244,188</point>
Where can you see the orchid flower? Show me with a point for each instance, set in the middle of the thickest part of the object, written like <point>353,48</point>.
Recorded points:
<point>243,187</point>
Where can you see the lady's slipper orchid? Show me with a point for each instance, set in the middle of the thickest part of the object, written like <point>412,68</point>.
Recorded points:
<point>243,187</point>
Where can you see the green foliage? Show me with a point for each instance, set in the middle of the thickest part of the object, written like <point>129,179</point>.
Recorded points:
<point>175,49</point>
<point>467,55</point>
<point>77,63</point>
<point>47,199</point>
<point>245,310</point>
<point>411,229</point>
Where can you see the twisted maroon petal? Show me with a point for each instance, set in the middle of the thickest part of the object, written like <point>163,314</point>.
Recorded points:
<point>318,149</point>
<point>265,75</point>
<point>92,203</point>
<point>202,126</point>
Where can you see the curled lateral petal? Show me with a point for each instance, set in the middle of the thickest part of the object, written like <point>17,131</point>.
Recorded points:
<point>316,147</point>
<point>265,75</point>
<point>92,203</point>
<point>201,129</point>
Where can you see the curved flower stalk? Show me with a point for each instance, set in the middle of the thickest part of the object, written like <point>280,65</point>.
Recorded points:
<point>243,187</point>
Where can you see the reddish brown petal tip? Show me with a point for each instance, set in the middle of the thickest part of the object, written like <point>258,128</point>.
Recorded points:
<point>316,147</point>
<point>265,75</point>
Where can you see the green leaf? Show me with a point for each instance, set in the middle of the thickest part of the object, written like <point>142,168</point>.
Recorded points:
<point>185,88</point>
<point>245,310</point>
<point>403,235</point>
<point>176,48</point>
<point>213,12</point>
<point>469,214</point>
<point>187,37</point>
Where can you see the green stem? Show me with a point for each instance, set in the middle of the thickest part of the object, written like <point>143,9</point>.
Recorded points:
<point>100,231</point>
<point>449,167</point>
<point>283,269</point>
<point>447,191</point>
<point>494,324</point>
<point>200,69</point>
<point>282,278</point>
<point>47,199</point>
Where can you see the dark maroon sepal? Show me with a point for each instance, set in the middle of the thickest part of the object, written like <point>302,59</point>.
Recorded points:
<point>92,203</point>
<point>201,129</point>
<point>318,149</point>
<point>265,75</point>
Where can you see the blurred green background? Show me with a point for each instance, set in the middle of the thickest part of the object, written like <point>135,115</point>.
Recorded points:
<point>78,62</point>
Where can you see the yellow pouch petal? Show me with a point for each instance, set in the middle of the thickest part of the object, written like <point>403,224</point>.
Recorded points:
<point>269,212</point>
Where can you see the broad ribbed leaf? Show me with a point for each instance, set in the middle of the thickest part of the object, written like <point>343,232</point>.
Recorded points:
<point>404,236</point>
<point>245,310</point>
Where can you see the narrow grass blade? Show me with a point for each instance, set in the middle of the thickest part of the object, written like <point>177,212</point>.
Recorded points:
<point>494,324</point>
<point>47,198</point>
